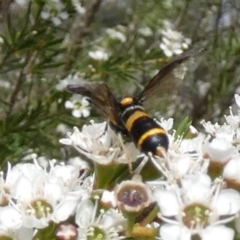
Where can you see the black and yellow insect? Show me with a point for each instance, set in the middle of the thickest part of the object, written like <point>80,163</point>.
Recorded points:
<point>128,116</point>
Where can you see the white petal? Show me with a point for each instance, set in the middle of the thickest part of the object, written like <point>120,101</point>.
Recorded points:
<point>66,141</point>
<point>69,104</point>
<point>178,51</point>
<point>232,170</point>
<point>25,233</point>
<point>22,190</point>
<point>219,149</point>
<point>63,15</point>
<point>56,21</point>
<point>112,218</point>
<point>168,52</point>
<point>108,198</point>
<point>31,221</point>
<point>76,113</point>
<point>85,112</point>
<point>228,202</point>
<point>85,102</point>
<point>183,165</point>
<point>84,213</point>
<point>45,15</point>
<point>54,187</point>
<point>237,99</point>
<point>67,206</point>
<point>174,232</point>
<point>66,172</point>
<point>166,41</point>
<point>219,232</point>
<point>198,186</point>
<point>10,217</point>
<point>168,202</point>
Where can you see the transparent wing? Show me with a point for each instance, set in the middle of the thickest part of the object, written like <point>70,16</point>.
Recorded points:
<point>165,80</point>
<point>100,95</point>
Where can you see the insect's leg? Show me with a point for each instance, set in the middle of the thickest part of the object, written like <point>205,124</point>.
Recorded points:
<point>126,152</point>
<point>141,165</point>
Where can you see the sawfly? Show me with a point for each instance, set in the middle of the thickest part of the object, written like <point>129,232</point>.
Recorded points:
<point>128,116</point>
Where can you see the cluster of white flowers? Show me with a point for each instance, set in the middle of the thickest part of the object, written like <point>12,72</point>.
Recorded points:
<point>74,78</point>
<point>78,104</point>
<point>78,7</point>
<point>195,193</point>
<point>173,42</point>
<point>99,55</point>
<point>223,146</point>
<point>32,197</point>
<point>192,200</point>
<point>117,33</point>
<point>102,51</point>
<point>99,143</point>
<point>55,10</point>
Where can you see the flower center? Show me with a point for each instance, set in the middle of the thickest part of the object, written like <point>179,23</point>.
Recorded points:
<point>39,208</point>
<point>78,105</point>
<point>132,196</point>
<point>3,237</point>
<point>96,233</point>
<point>196,215</point>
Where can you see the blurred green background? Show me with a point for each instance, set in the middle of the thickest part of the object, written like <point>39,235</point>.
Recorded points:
<point>47,44</point>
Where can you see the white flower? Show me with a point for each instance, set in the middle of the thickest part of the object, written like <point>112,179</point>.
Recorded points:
<point>61,128</point>
<point>5,84</point>
<point>237,99</point>
<point>222,144</point>
<point>170,48</point>
<point>224,141</point>
<point>133,195</point>
<point>10,218</point>
<point>70,79</point>
<point>55,11</point>
<point>19,234</point>
<point>184,156</point>
<point>41,196</point>
<point>231,172</point>
<point>108,199</point>
<point>145,31</point>
<point>99,55</point>
<point>173,42</point>
<point>107,224</point>
<point>78,6</point>
<point>233,120</point>
<point>198,208</point>
<point>166,124</point>
<point>219,150</point>
<point>100,143</point>
<point>115,34</point>
<point>79,105</point>
<point>77,162</point>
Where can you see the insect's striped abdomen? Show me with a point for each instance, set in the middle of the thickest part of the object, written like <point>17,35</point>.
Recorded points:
<point>147,135</point>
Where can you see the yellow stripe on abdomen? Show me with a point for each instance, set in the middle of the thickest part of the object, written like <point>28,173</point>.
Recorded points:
<point>133,117</point>
<point>149,133</point>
